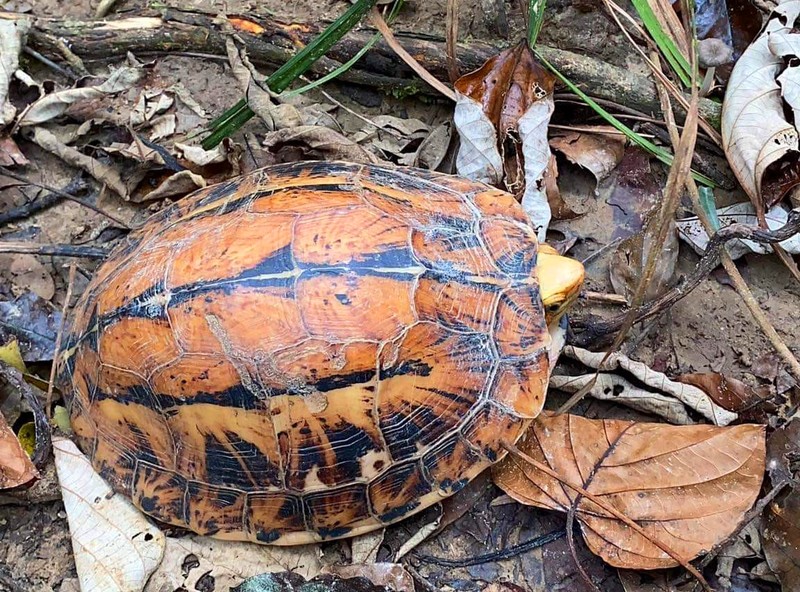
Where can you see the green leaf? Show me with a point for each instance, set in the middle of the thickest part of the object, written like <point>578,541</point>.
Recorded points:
<point>664,42</point>
<point>535,19</point>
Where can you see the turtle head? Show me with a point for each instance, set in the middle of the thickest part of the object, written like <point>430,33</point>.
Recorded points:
<point>560,281</point>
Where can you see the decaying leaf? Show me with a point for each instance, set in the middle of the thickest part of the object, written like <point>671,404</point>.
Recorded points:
<point>391,576</point>
<point>190,559</point>
<point>16,467</point>
<point>648,396</point>
<point>317,142</point>
<point>598,152</point>
<point>759,141</point>
<point>10,354</point>
<point>780,534</point>
<point>637,191</point>
<point>10,154</point>
<point>34,322</point>
<point>115,547</point>
<point>686,486</point>
<point>55,104</point>
<point>501,115</point>
<point>730,393</point>
<point>12,35</point>
<point>783,452</point>
<point>292,582</point>
<point>692,231</point>
<point>435,148</point>
<point>629,260</point>
<point>25,273</point>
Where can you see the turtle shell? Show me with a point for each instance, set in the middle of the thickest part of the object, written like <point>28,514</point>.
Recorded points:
<point>311,351</point>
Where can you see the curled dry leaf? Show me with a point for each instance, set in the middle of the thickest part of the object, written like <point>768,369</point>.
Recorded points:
<point>688,395</point>
<point>501,115</point>
<point>115,547</point>
<point>686,486</point>
<point>598,152</point>
<point>692,231</point>
<point>16,467</point>
<point>759,141</point>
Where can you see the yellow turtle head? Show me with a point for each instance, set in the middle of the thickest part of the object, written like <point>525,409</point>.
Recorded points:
<point>560,281</point>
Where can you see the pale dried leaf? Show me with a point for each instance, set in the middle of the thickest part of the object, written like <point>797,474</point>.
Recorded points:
<point>478,157</point>
<point>689,395</point>
<point>12,39</point>
<point>536,152</point>
<point>618,389</point>
<point>320,143</point>
<point>163,126</point>
<point>55,104</point>
<point>16,467</point>
<point>692,231</point>
<point>755,132</point>
<point>364,548</point>
<point>115,547</point>
<point>599,153</point>
<point>197,155</point>
<point>189,558</point>
<point>686,486</point>
<point>27,273</point>
<point>102,172</point>
<point>433,149</point>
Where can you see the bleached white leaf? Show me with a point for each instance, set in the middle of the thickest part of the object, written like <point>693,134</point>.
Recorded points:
<point>55,104</point>
<point>536,151</point>
<point>197,155</point>
<point>689,395</point>
<point>790,88</point>
<point>115,547</point>
<point>478,157</point>
<point>229,563</point>
<point>692,231</point>
<point>755,133</point>
<point>12,35</point>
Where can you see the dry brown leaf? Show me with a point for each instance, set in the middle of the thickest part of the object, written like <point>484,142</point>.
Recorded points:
<point>26,273</point>
<point>16,467</point>
<point>501,115</point>
<point>686,486</point>
<point>730,393</point>
<point>389,575</point>
<point>321,143</point>
<point>599,152</point>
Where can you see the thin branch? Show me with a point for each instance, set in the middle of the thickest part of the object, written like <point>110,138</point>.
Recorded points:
<point>7,173</point>
<point>388,36</point>
<point>451,30</point>
<point>41,203</point>
<point>56,250</point>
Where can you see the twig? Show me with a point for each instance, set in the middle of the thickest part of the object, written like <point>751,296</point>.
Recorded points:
<point>602,297</point>
<point>610,510</point>
<point>7,173</point>
<point>59,335</point>
<point>505,553</point>
<point>40,203</point>
<point>72,59</point>
<point>50,63</point>
<point>451,31</point>
<point>53,250</point>
<point>388,36</point>
<point>103,8</point>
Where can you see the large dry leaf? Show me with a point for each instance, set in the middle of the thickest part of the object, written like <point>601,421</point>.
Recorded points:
<point>598,152</point>
<point>692,231</point>
<point>686,486</point>
<point>189,560</point>
<point>501,115</point>
<point>761,144</point>
<point>730,393</point>
<point>115,546</point>
<point>16,467</point>
<point>316,142</point>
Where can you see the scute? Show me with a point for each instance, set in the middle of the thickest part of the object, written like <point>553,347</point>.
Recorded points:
<point>310,351</point>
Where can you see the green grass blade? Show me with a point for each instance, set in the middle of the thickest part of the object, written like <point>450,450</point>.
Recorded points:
<point>535,19</point>
<point>661,154</point>
<point>668,49</point>
<point>280,80</point>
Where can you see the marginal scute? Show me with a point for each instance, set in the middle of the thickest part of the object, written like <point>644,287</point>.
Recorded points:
<point>310,351</point>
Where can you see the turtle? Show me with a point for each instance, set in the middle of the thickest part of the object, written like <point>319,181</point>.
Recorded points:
<point>313,350</point>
